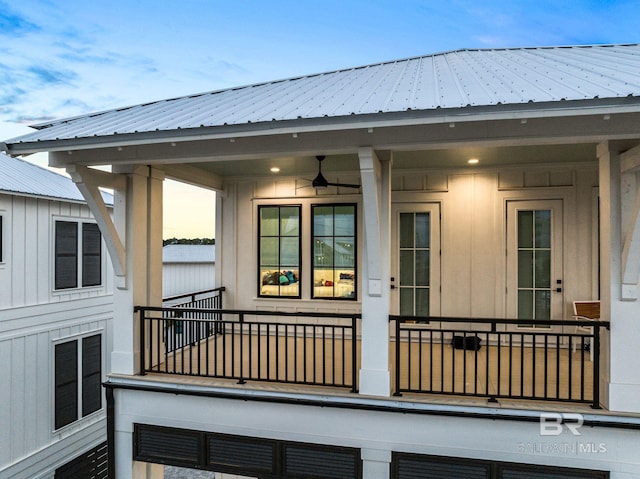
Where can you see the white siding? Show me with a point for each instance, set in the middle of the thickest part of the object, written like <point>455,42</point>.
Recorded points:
<point>473,230</point>
<point>179,278</point>
<point>27,336</point>
<point>26,273</point>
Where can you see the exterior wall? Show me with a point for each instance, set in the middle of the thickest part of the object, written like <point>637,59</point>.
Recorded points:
<point>473,239</point>
<point>33,317</point>
<point>179,278</point>
<point>378,432</point>
<point>26,273</point>
<point>31,448</point>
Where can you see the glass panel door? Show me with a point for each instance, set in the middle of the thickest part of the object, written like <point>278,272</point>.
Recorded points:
<point>534,261</point>
<point>416,260</point>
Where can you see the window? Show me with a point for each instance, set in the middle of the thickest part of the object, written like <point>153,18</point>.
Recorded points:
<point>279,251</point>
<point>334,251</point>
<point>78,255</point>
<point>78,376</point>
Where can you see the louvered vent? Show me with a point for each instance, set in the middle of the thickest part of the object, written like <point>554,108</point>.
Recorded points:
<point>523,472</point>
<point>233,453</point>
<point>429,468</point>
<point>321,462</point>
<point>167,445</point>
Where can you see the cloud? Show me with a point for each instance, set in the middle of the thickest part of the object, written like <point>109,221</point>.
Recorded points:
<point>42,76</point>
<point>11,23</point>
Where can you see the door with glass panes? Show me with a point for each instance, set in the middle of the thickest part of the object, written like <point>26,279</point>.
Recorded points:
<point>534,261</point>
<point>415,262</point>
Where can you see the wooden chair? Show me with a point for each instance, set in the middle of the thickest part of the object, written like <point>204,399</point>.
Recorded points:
<point>586,310</point>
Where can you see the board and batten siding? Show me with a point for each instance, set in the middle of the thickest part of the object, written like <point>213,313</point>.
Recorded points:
<point>472,204</point>
<point>27,267</point>
<point>30,445</point>
<point>182,278</point>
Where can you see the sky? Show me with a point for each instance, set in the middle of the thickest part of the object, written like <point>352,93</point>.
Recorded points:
<point>61,58</point>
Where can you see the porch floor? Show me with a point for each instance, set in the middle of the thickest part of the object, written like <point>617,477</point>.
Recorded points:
<point>429,372</point>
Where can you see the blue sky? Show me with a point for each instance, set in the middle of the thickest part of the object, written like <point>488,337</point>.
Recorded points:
<point>62,58</point>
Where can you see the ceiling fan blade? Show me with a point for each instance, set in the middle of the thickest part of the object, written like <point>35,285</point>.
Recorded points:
<point>344,185</point>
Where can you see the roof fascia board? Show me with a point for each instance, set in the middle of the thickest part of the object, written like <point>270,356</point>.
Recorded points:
<point>379,120</point>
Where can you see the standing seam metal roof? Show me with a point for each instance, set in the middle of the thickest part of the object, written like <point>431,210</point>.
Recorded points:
<point>22,178</point>
<point>451,80</point>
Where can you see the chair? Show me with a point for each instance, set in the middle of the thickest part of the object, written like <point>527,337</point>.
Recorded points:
<point>586,310</point>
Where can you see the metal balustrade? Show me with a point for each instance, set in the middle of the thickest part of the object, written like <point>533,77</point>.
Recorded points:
<point>498,358</point>
<point>479,357</point>
<point>250,345</point>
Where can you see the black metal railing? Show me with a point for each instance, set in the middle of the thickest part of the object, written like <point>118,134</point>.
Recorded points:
<point>251,345</point>
<point>179,331</point>
<point>498,358</point>
<point>207,299</point>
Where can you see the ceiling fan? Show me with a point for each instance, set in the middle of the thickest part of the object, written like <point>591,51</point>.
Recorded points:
<point>321,182</point>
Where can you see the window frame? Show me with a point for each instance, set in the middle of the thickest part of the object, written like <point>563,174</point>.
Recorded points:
<point>259,264</point>
<point>312,236</point>
<point>86,386</point>
<point>81,255</point>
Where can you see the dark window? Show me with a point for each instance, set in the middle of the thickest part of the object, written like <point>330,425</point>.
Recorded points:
<point>279,251</point>
<point>66,374</point>
<point>73,256</point>
<point>91,255</point>
<point>78,367</point>
<point>66,270</point>
<point>334,251</point>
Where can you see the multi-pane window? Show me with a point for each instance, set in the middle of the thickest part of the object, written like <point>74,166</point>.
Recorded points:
<point>78,255</point>
<point>534,264</point>
<point>279,250</point>
<point>78,376</point>
<point>334,251</point>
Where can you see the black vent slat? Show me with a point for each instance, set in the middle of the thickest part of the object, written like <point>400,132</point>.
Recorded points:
<point>526,472</point>
<point>240,453</point>
<point>419,469</point>
<point>91,465</point>
<point>168,445</point>
<point>311,461</point>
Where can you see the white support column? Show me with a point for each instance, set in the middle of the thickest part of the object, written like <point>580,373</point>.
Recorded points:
<point>138,218</point>
<point>375,464</point>
<point>616,306</point>
<point>376,200</point>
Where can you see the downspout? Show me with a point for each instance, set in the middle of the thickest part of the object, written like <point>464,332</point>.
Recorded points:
<point>111,432</point>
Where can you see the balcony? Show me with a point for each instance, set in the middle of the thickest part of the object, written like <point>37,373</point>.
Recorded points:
<point>493,359</point>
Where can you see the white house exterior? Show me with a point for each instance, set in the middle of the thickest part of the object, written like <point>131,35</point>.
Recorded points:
<point>187,268</point>
<point>437,246</point>
<point>44,319</point>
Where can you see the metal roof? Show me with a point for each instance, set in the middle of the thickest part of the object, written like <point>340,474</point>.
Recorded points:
<point>453,80</point>
<point>189,253</point>
<point>19,177</point>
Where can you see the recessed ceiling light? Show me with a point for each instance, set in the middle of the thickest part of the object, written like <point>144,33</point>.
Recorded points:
<point>274,169</point>
<point>473,161</point>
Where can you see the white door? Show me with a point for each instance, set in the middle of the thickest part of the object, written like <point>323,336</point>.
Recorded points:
<point>415,262</point>
<point>534,261</point>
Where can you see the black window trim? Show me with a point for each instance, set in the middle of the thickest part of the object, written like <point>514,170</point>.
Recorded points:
<point>355,250</point>
<point>300,265</point>
<point>79,255</point>
<point>79,340</point>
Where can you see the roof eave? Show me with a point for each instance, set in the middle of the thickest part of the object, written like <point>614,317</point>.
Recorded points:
<point>571,108</point>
